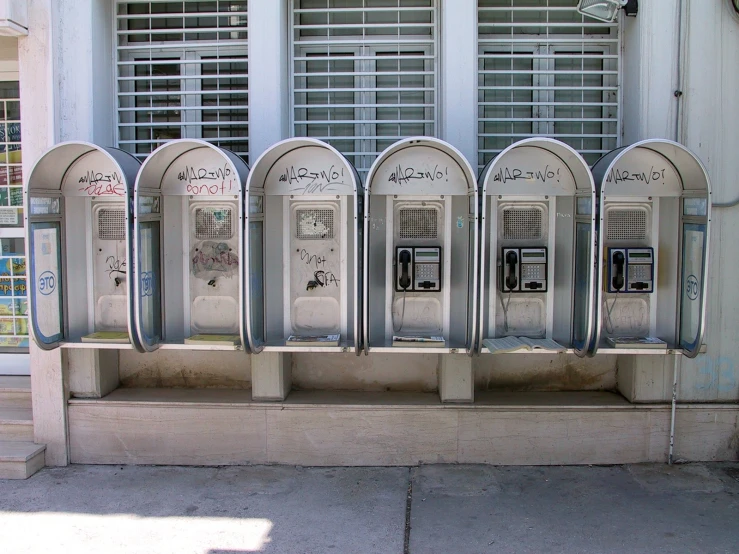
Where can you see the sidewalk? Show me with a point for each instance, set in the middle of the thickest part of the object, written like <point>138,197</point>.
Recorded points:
<point>438,508</point>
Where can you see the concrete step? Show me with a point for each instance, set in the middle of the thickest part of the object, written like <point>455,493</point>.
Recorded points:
<point>16,424</point>
<point>20,460</point>
<point>15,391</point>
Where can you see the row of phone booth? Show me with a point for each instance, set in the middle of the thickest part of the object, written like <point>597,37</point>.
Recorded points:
<point>191,249</point>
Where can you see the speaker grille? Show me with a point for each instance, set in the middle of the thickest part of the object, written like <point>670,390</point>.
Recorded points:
<point>627,224</point>
<point>522,223</point>
<point>111,224</point>
<point>213,223</point>
<point>315,224</point>
<point>419,223</point>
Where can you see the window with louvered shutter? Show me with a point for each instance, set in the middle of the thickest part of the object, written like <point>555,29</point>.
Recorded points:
<point>182,72</point>
<point>543,69</point>
<point>364,73</point>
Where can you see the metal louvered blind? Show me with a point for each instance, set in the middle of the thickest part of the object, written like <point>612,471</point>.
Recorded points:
<point>182,72</point>
<point>543,69</point>
<point>364,73</point>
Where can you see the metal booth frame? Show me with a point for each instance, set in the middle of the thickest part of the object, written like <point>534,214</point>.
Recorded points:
<point>149,184</point>
<point>254,277</point>
<point>689,169</point>
<point>472,216</point>
<point>584,188</point>
<point>44,204</point>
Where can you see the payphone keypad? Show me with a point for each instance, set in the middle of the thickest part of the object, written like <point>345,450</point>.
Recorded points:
<point>640,272</point>
<point>427,272</point>
<point>533,271</point>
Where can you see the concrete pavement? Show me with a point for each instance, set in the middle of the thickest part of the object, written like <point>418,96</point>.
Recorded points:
<point>435,508</point>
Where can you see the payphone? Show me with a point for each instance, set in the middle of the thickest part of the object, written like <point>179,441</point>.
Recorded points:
<point>524,269</point>
<point>654,223</point>
<point>538,223</point>
<point>78,236</point>
<point>630,270</point>
<point>303,287</point>
<point>189,247</point>
<point>420,249</point>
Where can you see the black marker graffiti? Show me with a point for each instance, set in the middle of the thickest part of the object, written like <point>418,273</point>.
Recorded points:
<point>646,177</point>
<point>321,277</point>
<point>404,175</point>
<point>115,266</point>
<point>193,176</point>
<point>312,259</point>
<point>96,183</point>
<point>325,278</point>
<point>311,182</point>
<point>506,174</point>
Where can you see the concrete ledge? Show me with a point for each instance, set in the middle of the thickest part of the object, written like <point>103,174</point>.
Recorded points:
<point>20,460</point>
<point>212,427</point>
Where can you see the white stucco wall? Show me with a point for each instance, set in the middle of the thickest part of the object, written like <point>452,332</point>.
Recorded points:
<point>709,126</point>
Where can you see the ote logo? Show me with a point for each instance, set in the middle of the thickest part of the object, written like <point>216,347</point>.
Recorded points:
<point>147,284</point>
<point>47,283</point>
<point>691,287</point>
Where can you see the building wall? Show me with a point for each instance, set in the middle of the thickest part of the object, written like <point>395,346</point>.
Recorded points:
<point>67,75</point>
<point>708,126</point>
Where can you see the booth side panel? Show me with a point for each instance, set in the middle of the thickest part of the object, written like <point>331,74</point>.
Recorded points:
<point>174,272</point>
<point>274,270</point>
<point>665,309</point>
<point>352,291</point>
<point>377,270</point>
<point>460,302</point>
<point>78,282</point>
<point>564,263</point>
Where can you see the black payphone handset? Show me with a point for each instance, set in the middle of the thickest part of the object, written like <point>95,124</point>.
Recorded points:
<point>511,260</point>
<point>619,261</point>
<point>404,259</point>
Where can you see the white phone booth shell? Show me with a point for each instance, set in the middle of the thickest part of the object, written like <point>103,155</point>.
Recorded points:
<point>654,194</point>
<point>421,194</point>
<point>303,232</point>
<point>539,193</point>
<point>188,210</point>
<point>78,198</point>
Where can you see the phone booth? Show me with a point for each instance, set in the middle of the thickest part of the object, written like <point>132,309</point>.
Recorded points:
<point>538,250</point>
<point>654,222</point>
<point>77,235</point>
<point>420,249</point>
<point>188,212</point>
<point>303,231</point>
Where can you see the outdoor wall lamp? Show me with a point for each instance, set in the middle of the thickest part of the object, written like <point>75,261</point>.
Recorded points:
<point>607,10</point>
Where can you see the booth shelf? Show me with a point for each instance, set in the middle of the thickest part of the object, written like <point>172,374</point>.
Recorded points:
<point>277,346</point>
<point>603,350</point>
<point>97,345</point>
<point>387,347</point>
<point>182,346</point>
